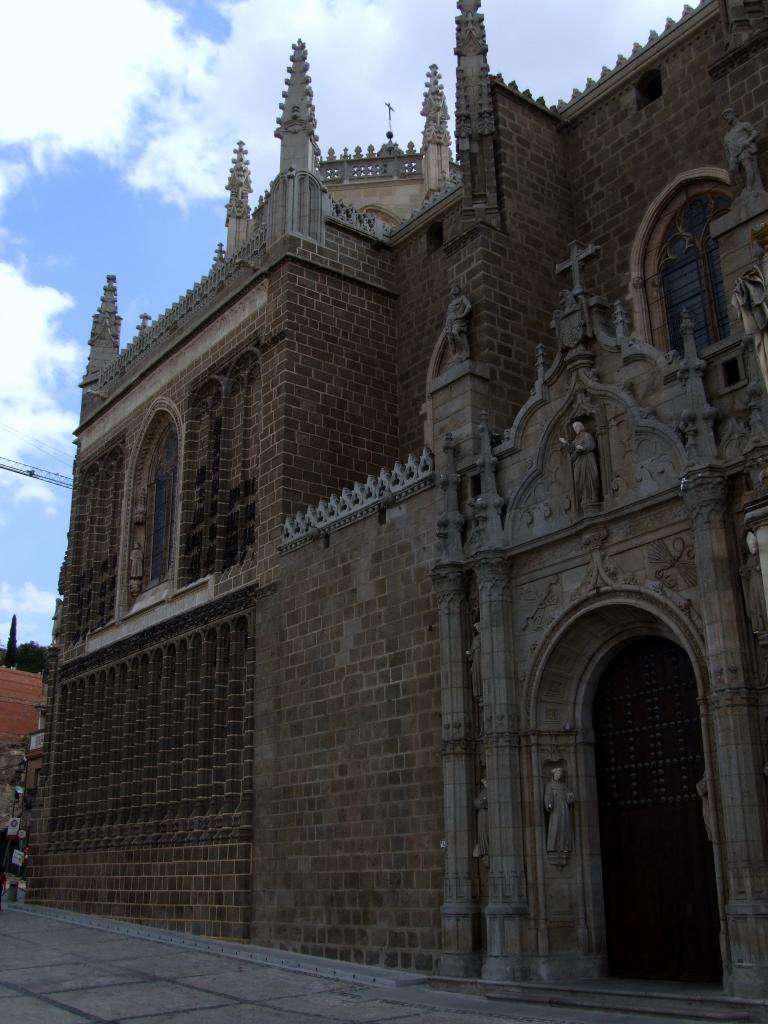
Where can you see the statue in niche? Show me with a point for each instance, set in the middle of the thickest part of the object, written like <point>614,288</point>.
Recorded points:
<point>473,659</point>
<point>750,297</point>
<point>741,148</point>
<point>481,815</point>
<point>586,479</point>
<point>57,614</point>
<point>136,568</point>
<point>457,325</point>
<point>558,801</point>
<point>752,586</point>
<point>140,507</point>
<point>702,788</point>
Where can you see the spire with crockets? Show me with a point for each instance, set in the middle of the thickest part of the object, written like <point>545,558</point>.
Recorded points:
<point>238,208</point>
<point>436,140</point>
<point>296,125</point>
<point>105,333</point>
<point>475,122</point>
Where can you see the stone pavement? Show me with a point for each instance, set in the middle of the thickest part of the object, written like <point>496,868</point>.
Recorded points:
<point>61,968</point>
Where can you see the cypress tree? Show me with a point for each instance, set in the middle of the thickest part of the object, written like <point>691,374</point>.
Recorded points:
<point>10,650</point>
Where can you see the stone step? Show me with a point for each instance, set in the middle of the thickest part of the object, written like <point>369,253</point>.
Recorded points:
<point>645,999</point>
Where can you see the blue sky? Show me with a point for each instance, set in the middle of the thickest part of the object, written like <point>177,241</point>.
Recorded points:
<point>115,143</point>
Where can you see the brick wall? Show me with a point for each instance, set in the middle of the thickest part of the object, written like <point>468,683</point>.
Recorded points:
<point>348,778</point>
<point>20,693</point>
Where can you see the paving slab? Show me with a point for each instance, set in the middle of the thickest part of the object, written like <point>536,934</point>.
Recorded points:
<point>250,983</point>
<point>119,1002</point>
<point>342,1007</point>
<point>63,977</point>
<point>26,1010</point>
<point>61,968</point>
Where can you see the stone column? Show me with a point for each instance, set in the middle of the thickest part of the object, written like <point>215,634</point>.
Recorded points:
<point>507,903</point>
<point>733,699</point>
<point>756,520</point>
<point>462,955</point>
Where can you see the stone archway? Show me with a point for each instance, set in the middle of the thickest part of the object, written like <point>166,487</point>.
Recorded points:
<point>565,679</point>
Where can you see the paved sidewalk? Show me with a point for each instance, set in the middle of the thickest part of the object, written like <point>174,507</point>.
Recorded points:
<point>60,968</point>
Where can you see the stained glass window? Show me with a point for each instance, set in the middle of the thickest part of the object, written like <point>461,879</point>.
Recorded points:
<point>689,275</point>
<point>162,503</point>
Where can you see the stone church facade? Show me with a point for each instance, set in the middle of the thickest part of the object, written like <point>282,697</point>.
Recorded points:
<point>497,709</point>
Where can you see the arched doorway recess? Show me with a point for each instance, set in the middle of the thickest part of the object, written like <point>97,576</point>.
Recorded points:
<point>659,889</point>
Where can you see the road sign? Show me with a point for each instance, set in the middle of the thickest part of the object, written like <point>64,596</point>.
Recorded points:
<point>22,833</point>
<point>13,827</point>
<point>17,858</point>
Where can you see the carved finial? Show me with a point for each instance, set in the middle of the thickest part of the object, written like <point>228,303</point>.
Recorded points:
<point>541,364</point>
<point>487,530</point>
<point>219,254</point>
<point>239,183</point>
<point>697,421</point>
<point>106,322</point>
<point>451,520</point>
<point>297,124</point>
<point>104,341</point>
<point>434,110</point>
<point>239,188</point>
<point>143,325</point>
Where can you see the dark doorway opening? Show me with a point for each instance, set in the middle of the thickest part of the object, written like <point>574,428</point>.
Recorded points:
<point>659,885</point>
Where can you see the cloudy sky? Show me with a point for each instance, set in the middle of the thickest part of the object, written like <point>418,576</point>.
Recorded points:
<point>115,141</point>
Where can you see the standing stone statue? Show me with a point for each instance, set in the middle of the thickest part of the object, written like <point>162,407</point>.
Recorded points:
<point>741,149</point>
<point>586,478</point>
<point>752,586</point>
<point>750,297</point>
<point>136,568</point>
<point>558,801</point>
<point>457,325</point>
<point>481,812</point>
<point>473,658</point>
<point>702,788</point>
<point>56,628</point>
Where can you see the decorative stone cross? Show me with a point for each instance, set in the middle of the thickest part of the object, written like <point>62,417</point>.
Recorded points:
<point>390,112</point>
<point>578,254</point>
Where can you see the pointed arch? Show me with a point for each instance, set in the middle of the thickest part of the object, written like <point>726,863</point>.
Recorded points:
<point>649,238</point>
<point>243,430</point>
<point>152,540</point>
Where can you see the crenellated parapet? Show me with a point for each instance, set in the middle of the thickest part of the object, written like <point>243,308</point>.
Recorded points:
<point>361,500</point>
<point>384,164</point>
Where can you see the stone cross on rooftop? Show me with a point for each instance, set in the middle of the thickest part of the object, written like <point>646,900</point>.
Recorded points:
<point>578,254</point>
<point>390,112</point>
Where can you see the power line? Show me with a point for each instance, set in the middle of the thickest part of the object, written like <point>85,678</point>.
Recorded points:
<point>42,446</point>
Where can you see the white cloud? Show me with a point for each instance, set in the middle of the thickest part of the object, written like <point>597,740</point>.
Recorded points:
<point>131,84</point>
<point>38,364</point>
<point>26,599</point>
<point>12,173</point>
<point>33,609</point>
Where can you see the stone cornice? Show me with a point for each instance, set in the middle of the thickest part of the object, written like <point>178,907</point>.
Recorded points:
<point>238,601</point>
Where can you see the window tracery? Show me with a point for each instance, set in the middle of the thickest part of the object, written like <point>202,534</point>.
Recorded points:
<point>683,271</point>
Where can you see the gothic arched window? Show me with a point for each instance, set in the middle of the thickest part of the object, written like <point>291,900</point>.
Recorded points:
<point>685,273</point>
<point>161,503</point>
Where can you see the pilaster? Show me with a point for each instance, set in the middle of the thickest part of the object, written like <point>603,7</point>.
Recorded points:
<point>732,702</point>
<point>507,902</point>
<point>460,911</point>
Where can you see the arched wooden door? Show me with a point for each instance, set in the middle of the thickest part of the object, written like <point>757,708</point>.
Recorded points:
<point>659,886</point>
